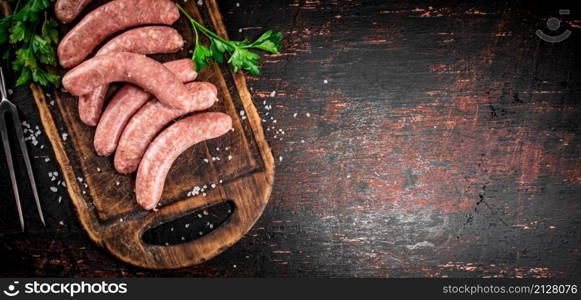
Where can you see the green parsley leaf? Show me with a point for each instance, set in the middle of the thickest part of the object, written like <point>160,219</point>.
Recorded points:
<point>31,37</point>
<point>201,57</point>
<point>240,55</point>
<point>24,78</point>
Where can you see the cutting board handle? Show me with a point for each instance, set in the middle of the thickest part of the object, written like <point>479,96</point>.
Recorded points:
<point>126,238</point>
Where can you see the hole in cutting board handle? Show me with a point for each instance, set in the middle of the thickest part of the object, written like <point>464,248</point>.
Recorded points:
<point>190,227</point>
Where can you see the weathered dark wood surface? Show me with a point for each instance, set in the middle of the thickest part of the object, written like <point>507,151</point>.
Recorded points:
<point>420,139</point>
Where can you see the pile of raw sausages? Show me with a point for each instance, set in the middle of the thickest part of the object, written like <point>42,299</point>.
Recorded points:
<point>133,124</point>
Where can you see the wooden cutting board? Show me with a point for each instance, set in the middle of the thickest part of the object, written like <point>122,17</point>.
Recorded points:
<point>237,169</point>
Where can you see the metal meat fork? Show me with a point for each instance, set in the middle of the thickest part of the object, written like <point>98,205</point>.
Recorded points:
<point>8,107</point>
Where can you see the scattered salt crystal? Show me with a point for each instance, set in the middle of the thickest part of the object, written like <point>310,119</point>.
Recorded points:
<point>303,141</point>
<point>117,183</point>
<point>213,185</point>
<point>220,181</point>
<point>240,30</point>
<point>187,225</point>
<point>84,192</point>
<point>206,160</point>
<point>189,194</point>
<point>10,91</point>
<point>280,158</point>
<point>98,169</point>
<point>200,216</point>
<point>80,179</point>
<point>166,243</point>
<point>200,2</point>
<point>171,229</point>
<point>41,146</point>
<point>204,194</point>
<point>64,184</point>
<point>53,189</point>
<point>60,199</point>
<point>273,93</point>
<point>183,238</point>
<point>205,212</point>
<point>242,112</point>
<point>51,103</point>
<point>211,226</point>
<point>200,233</point>
<point>237,4</point>
<point>62,223</point>
<point>234,266</point>
<point>229,157</point>
<point>65,136</point>
<point>295,115</point>
<point>47,159</point>
<point>121,220</point>
<point>325,81</point>
<point>308,114</point>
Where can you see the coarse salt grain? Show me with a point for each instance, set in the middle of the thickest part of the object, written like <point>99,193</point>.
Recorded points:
<point>325,81</point>
<point>53,189</point>
<point>273,93</point>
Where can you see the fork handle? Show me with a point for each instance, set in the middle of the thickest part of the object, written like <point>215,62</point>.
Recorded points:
<point>3,85</point>
<point>6,10</point>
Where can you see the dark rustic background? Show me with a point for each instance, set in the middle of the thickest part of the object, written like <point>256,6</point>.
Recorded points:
<point>413,139</point>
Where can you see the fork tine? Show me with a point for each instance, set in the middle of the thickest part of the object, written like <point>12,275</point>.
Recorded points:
<point>22,143</point>
<point>6,144</point>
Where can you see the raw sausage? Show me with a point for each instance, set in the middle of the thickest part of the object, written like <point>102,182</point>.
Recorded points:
<point>68,10</point>
<point>126,102</point>
<point>149,120</point>
<point>138,69</point>
<point>143,40</point>
<point>108,19</point>
<point>166,148</point>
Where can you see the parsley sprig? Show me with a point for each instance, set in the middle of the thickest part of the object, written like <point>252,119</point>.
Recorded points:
<point>30,36</point>
<point>238,53</point>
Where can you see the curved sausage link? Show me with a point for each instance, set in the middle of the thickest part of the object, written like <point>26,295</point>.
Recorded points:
<point>68,10</point>
<point>126,102</point>
<point>138,69</point>
<point>166,148</point>
<point>143,40</point>
<point>149,120</point>
<point>108,19</point>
